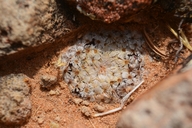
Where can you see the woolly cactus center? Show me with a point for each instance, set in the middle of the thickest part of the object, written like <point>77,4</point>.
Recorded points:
<point>104,66</point>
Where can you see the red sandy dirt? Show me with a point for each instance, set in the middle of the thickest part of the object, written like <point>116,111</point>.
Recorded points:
<point>59,107</point>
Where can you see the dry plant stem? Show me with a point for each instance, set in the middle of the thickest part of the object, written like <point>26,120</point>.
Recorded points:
<point>152,46</point>
<point>181,44</point>
<point>183,38</point>
<point>122,102</point>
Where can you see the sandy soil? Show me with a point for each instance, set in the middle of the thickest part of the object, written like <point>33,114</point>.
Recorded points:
<point>58,108</point>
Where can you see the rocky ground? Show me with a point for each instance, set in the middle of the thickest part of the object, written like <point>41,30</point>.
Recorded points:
<point>33,93</point>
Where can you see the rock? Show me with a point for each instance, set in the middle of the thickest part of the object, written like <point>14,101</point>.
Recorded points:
<point>85,102</point>
<point>52,92</point>
<point>77,101</point>
<point>15,105</point>
<point>167,105</point>
<point>62,85</point>
<point>47,81</point>
<point>86,111</point>
<point>40,120</point>
<point>187,65</point>
<point>54,125</point>
<point>34,23</point>
<point>99,108</point>
<point>111,10</point>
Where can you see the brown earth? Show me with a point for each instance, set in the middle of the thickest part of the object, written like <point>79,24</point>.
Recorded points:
<point>57,107</point>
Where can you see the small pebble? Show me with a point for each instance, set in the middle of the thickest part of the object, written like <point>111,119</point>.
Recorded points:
<point>85,102</point>
<point>54,125</point>
<point>99,108</point>
<point>86,111</point>
<point>62,85</point>
<point>40,120</point>
<point>57,118</point>
<point>52,92</point>
<point>47,81</point>
<point>77,101</point>
<point>57,92</point>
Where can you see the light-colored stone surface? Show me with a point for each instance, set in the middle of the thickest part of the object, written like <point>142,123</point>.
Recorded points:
<point>86,111</point>
<point>77,101</point>
<point>30,23</point>
<point>99,108</point>
<point>167,105</point>
<point>15,105</point>
<point>47,81</point>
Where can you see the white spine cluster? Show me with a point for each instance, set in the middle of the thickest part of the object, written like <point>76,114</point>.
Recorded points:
<point>104,66</point>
